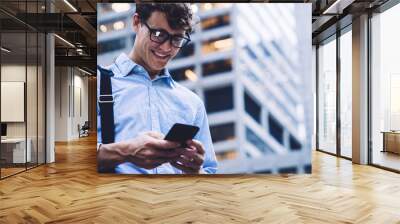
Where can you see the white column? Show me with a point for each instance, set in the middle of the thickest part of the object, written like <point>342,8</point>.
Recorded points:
<point>50,92</point>
<point>50,101</point>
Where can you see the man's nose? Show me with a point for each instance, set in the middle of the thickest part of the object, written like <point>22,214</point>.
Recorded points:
<point>166,46</point>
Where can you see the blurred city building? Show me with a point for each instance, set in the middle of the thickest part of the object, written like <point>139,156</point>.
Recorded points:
<point>247,64</point>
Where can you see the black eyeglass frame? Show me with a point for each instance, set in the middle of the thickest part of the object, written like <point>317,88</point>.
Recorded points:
<point>169,36</point>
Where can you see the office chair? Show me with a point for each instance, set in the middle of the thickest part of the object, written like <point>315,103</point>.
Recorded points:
<point>84,130</point>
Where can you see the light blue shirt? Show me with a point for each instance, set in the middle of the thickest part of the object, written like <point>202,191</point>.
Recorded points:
<point>142,104</point>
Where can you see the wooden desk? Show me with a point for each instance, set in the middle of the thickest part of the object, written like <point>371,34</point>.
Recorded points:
<point>13,150</point>
<point>391,141</point>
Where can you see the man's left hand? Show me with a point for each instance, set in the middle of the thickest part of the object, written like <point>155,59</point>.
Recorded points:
<point>191,159</point>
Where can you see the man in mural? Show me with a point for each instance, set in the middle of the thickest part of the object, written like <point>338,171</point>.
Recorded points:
<point>147,102</point>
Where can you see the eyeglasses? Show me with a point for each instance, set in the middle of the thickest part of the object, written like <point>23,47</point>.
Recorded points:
<point>160,36</point>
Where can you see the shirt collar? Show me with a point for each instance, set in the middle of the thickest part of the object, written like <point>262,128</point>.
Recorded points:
<point>166,76</point>
<point>125,65</point>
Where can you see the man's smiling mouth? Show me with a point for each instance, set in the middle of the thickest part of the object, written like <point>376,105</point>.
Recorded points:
<point>160,55</point>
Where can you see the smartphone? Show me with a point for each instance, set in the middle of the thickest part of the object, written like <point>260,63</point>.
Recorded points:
<point>181,133</point>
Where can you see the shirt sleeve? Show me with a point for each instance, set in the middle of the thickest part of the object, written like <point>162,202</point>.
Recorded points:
<point>210,162</point>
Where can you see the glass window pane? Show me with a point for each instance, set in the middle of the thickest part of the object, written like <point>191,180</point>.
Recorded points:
<point>210,6</point>
<point>111,45</point>
<point>288,170</point>
<point>215,22</point>
<point>252,108</point>
<point>216,67</point>
<point>13,86</point>
<point>32,94</point>
<point>23,84</point>
<point>227,155</point>
<point>223,43</point>
<point>219,99</point>
<point>185,73</point>
<point>327,96</point>
<point>254,139</point>
<point>345,94</point>
<point>275,129</point>
<point>385,88</point>
<point>294,144</point>
<point>186,51</point>
<point>222,132</point>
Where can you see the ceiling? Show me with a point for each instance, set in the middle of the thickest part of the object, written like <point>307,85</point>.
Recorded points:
<point>330,15</point>
<point>73,21</point>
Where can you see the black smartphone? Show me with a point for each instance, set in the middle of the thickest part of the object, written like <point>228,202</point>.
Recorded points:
<point>181,133</point>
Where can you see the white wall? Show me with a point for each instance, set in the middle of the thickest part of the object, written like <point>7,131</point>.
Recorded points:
<point>80,100</point>
<point>61,103</point>
<point>16,73</point>
<point>71,93</point>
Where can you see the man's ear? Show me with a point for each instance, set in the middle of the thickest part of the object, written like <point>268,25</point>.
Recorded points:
<point>136,22</point>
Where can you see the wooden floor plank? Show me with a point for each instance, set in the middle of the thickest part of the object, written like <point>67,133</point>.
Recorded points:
<point>71,191</point>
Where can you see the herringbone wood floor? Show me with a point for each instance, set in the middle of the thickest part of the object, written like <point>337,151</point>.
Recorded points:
<point>71,191</point>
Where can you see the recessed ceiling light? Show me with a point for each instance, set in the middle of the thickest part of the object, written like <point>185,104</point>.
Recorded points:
<point>337,7</point>
<point>64,40</point>
<point>84,71</point>
<point>5,50</point>
<point>70,5</point>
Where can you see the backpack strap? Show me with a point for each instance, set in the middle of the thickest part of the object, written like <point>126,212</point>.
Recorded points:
<point>106,105</point>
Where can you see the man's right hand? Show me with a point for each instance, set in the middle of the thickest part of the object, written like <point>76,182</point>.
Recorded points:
<point>148,150</point>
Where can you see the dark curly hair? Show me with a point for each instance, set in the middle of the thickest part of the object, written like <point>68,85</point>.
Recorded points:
<point>179,15</point>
